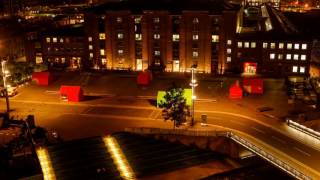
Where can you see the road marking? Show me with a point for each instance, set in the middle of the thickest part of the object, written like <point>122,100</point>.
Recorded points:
<point>146,97</point>
<point>86,111</point>
<point>51,92</point>
<point>278,139</point>
<point>303,152</point>
<point>237,122</point>
<point>111,116</point>
<point>151,114</point>
<point>259,130</point>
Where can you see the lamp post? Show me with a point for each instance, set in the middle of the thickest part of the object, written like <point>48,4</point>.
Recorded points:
<point>193,85</point>
<point>4,76</point>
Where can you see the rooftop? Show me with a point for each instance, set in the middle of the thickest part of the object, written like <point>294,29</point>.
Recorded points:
<point>173,6</point>
<point>93,158</point>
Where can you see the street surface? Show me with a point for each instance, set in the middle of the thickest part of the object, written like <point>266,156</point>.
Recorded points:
<point>114,109</point>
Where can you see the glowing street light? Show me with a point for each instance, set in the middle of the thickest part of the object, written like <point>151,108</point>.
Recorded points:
<point>5,74</point>
<point>193,85</point>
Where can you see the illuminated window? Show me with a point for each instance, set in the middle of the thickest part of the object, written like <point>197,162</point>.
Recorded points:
<point>281,45</point>
<point>195,37</point>
<point>61,40</point>
<point>91,55</point>
<point>157,53</point>
<point>296,57</point>
<point>296,46</point>
<point>48,40</point>
<point>103,61</point>
<point>229,42</point>
<point>302,69</point>
<point>289,46</point>
<point>239,44</point>
<point>280,56</point>
<point>265,45</point>
<point>156,20</point>
<point>229,51</point>
<point>303,57</point>
<point>294,69</point>
<point>272,45</point>
<point>228,59</point>
<point>119,20</point>
<point>156,36</point>
<point>54,40</point>
<point>89,39</point>
<point>246,44</point>
<point>195,54</point>
<point>102,52</point>
<point>175,37</point>
<point>272,56</point>
<point>288,57</point>
<point>139,64</point>
<point>137,20</point>
<point>120,51</point>
<point>102,36</point>
<point>195,21</point>
<point>215,38</point>
<point>120,35</point>
<point>90,47</point>
<point>253,44</point>
<point>304,46</point>
<point>138,37</point>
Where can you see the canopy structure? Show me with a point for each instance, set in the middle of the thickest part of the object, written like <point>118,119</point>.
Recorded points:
<point>187,93</point>
<point>73,93</point>
<point>144,78</point>
<point>253,85</point>
<point>42,78</point>
<point>235,91</point>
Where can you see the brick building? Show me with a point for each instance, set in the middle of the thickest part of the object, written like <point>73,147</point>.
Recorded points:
<point>164,35</point>
<point>217,36</point>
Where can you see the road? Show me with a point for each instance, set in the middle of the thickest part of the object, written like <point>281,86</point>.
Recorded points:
<point>99,115</point>
<point>84,120</point>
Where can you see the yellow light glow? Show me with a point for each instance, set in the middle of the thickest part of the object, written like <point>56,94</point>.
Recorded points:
<point>45,163</point>
<point>119,158</point>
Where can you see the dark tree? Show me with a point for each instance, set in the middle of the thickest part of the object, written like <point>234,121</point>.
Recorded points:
<point>174,107</point>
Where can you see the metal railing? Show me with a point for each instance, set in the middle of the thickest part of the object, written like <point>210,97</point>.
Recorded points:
<point>236,138</point>
<point>269,157</point>
<point>303,128</point>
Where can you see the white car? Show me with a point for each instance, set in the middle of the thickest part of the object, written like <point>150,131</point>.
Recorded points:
<point>12,91</point>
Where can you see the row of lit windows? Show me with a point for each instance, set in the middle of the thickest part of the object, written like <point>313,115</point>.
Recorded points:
<point>247,44</point>
<point>156,20</point>
<point>138,37</point>
<point>303,57</point>
<point>55,40</point>
<point>296,46</point>
<point>302,69</point>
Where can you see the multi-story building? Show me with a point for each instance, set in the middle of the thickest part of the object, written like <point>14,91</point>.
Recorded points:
<point>169,36</point>
<point>272,46</point>
<point>160,35</point>
<point>63,48</point>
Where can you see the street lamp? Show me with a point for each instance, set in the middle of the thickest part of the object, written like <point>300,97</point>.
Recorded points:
<point>5,74</point>
<point>193,85</point>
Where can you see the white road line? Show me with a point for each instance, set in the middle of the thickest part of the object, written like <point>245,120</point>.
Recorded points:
<point>111,116</point>
<point>215,118</point>
<point>278,139</point>
<point>259,130</point>
<point>151,114</point>
<point>237,122</point>
<point>303,152</point>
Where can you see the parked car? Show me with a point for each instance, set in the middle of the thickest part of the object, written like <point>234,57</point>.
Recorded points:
<point>12,91</point>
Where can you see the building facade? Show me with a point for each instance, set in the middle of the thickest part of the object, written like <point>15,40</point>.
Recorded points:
<point>166,40</point>
<point>172,38</point>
